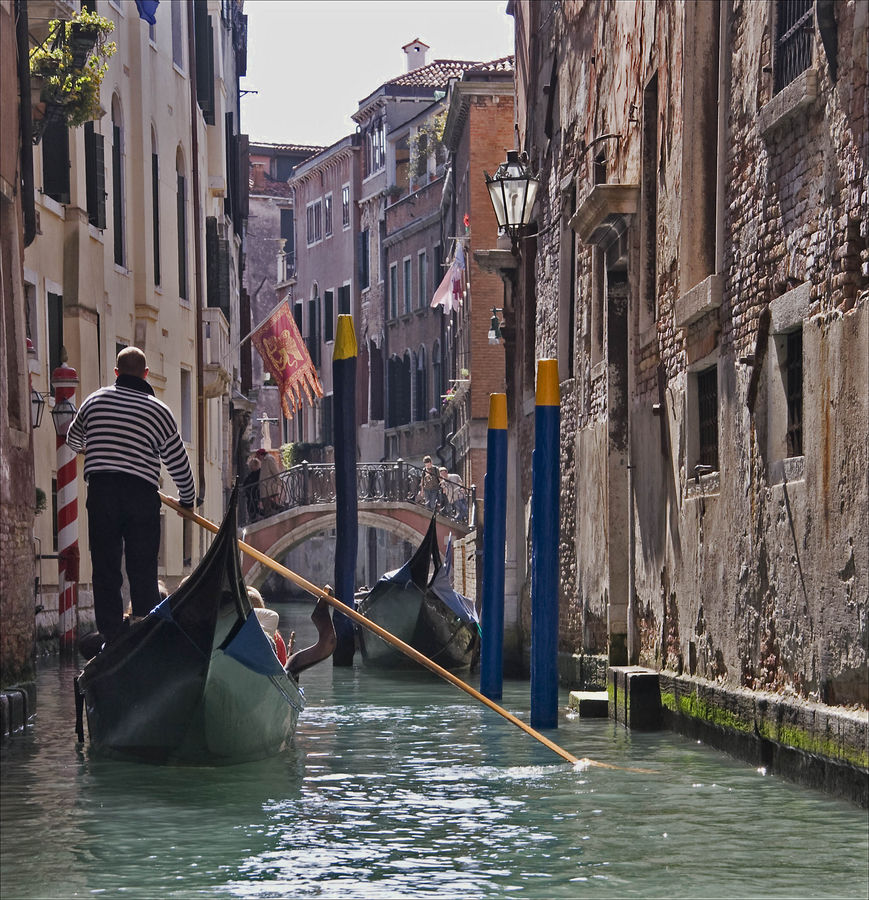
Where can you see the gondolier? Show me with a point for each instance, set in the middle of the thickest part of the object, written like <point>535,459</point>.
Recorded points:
<point>125,432</point>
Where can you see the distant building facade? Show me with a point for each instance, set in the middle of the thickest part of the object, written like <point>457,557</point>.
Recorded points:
<point>270,270</point>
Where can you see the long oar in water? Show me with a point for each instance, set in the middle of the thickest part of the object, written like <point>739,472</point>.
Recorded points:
<point>387,636</point>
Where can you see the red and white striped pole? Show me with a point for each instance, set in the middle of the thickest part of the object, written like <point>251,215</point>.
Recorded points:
<point>64,379</point>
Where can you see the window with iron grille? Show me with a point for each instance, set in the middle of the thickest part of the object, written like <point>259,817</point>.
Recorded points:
<point>793,41</point>
<point>707,408</point>
<point>794,382</point>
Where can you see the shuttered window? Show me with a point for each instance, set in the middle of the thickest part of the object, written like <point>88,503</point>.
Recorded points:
<point>55,162</point>
<point>328,316</point>
<point>95,176</point>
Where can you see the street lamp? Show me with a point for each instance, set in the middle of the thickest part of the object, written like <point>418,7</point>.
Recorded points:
<point>37,408</point>
<point>513,190</point>
<point>62,415</point>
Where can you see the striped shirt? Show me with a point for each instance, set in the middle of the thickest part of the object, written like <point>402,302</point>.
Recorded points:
<point>124,428</point>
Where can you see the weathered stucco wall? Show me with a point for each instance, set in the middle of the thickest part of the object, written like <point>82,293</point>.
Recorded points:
<point>755,574</point>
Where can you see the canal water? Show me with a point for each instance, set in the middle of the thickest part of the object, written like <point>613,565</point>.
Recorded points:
<point>405,787</point>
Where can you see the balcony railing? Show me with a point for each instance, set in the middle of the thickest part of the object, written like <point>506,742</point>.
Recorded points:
<point>216,363</point>
<point>311,484</point>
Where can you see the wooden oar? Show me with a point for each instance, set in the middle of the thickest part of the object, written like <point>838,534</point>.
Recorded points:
<point>390,638</point>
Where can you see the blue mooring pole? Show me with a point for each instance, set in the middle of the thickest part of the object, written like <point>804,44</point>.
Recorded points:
<point>545,482</point>
<point>347,524</point>
<point>494,546</point>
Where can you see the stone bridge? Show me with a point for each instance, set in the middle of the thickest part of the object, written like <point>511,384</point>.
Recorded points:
<point>281,512</point>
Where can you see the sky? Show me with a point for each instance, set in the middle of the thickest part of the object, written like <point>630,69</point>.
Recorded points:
<point>312,61</point>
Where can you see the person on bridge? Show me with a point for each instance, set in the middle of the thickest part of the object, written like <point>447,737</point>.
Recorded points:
<point>269,482</point>
<point>124,432</point>
<point>429,483</point>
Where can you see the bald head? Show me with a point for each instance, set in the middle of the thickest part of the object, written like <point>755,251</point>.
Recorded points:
<point>131,361</point>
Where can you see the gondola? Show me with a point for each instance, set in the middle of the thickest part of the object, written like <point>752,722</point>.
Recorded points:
<point>423,611</point>
<point>196,681</point>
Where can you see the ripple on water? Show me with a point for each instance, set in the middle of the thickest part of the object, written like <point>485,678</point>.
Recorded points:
<point>396,788</point>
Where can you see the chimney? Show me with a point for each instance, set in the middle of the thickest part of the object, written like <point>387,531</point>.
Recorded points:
<point>415,52</point>
<point>259,174</point>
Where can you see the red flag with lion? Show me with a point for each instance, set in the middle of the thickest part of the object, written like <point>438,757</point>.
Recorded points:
<point>286,357</point>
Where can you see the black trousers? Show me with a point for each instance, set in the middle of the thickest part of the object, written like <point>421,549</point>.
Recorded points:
<point>123,520</point>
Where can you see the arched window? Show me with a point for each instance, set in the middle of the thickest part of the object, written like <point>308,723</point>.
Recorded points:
<point>181,221</point>
<point>155,205</point>
<point>118,181</point>
<point>420,392</point>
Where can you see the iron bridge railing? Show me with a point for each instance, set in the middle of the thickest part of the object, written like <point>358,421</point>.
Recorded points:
<point>312,483</point>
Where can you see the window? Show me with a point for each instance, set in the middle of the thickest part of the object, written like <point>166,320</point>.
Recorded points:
<point>118,183</point>
<point>376,156</point>
<point>375,391</point>
<point>393,291</point>
<point>178,33</point>
<point>55,162</point>
<point>314,213</point>
<point>344,300</point>
<point>436,377</point>
<point>186,406</point>
<point>327,215</point>
<point>420,388</point>
<point>328,316</point>
<point>155,206</point>
<point>794,391</point>
<point>55,331</point>
<point>792,54</point>
<point>364,269</point>
<point>313,340</point>
<point>345,206</point>
<point>288,233</point>
<point>181,224</point>
<point>203,37</point>
<point>707,417</point>
<point>408,284</point>
<point>567,294</point>
<point>297,315</point>
<point>95,176</point>
<point>422,280</point>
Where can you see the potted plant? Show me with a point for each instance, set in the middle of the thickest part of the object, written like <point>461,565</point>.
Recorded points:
<point>70,66</point>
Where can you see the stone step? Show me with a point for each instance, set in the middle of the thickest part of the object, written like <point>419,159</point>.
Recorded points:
<point>590,704</point>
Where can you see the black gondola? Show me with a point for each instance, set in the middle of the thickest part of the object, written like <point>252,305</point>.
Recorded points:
<point>197,680</point>
<point>424,612</point>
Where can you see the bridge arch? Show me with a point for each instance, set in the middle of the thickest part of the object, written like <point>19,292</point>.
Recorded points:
<point>278,534</point>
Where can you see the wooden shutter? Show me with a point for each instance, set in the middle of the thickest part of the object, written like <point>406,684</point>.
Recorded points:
<point>55,162</point>
<point>95,175</point>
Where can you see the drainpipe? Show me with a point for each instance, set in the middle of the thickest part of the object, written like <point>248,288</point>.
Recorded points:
<point>721,149</point>
<point>197,248</point>
<point>25,123</point>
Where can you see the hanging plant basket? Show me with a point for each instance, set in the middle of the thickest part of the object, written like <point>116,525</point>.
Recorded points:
<point>70,68</point>
<point>82,39</point>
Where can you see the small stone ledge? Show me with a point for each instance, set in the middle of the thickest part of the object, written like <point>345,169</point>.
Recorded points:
<point>701,299</point>
<point>812,744</point>
<point>791,309</point>
<point>582,671</point>
<point>589,704</point>
<point>634,697</point>
<point>801,92</point>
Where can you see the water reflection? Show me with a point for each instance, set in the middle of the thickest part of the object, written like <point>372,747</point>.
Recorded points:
<point>403,787</point>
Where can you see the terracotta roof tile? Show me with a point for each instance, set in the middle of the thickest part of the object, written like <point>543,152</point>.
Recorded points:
<point>435,74</point>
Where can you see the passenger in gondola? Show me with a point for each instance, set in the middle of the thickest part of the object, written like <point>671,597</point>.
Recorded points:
<point>268,618</point>
<point>125,433</point>
<point>250,485</point>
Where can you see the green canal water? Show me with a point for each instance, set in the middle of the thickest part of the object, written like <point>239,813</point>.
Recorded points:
<point>405,787</point>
